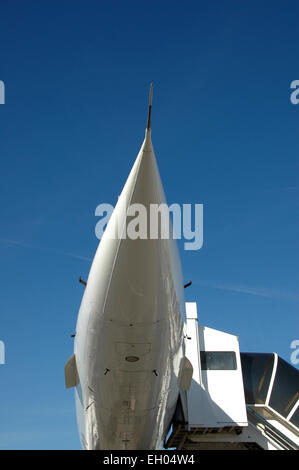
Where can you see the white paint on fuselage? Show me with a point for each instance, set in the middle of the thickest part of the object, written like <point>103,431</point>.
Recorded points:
<point>133,305</point>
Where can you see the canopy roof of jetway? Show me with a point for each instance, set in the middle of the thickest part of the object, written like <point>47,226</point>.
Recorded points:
<point>273,382</point>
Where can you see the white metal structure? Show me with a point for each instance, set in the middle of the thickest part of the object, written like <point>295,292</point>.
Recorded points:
<point>217,415</point>
<point>216,396</point>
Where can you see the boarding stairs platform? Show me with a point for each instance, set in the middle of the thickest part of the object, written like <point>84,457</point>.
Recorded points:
<point>236,401</point>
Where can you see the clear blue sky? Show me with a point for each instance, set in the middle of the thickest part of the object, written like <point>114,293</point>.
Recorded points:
<point>225,134</point>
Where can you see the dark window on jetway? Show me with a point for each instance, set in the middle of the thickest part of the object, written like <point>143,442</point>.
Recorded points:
<point>285,391</point>
<point>257,370</point>
<point>218,360</point>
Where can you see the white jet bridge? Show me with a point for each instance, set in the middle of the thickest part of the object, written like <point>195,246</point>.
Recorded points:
<point>235,401</point>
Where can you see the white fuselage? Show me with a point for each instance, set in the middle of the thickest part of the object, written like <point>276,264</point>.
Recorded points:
<point>129,338</point>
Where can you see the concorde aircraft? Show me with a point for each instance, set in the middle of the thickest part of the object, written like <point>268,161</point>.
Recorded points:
<point>129,359</point>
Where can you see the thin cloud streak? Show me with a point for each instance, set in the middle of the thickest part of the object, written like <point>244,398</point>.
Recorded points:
<point>258,291</point>
<point>40,248</point>
<point>73,255</point>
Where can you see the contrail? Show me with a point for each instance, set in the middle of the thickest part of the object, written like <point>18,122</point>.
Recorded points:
<point>47,250</point>
<point>259,291</point>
